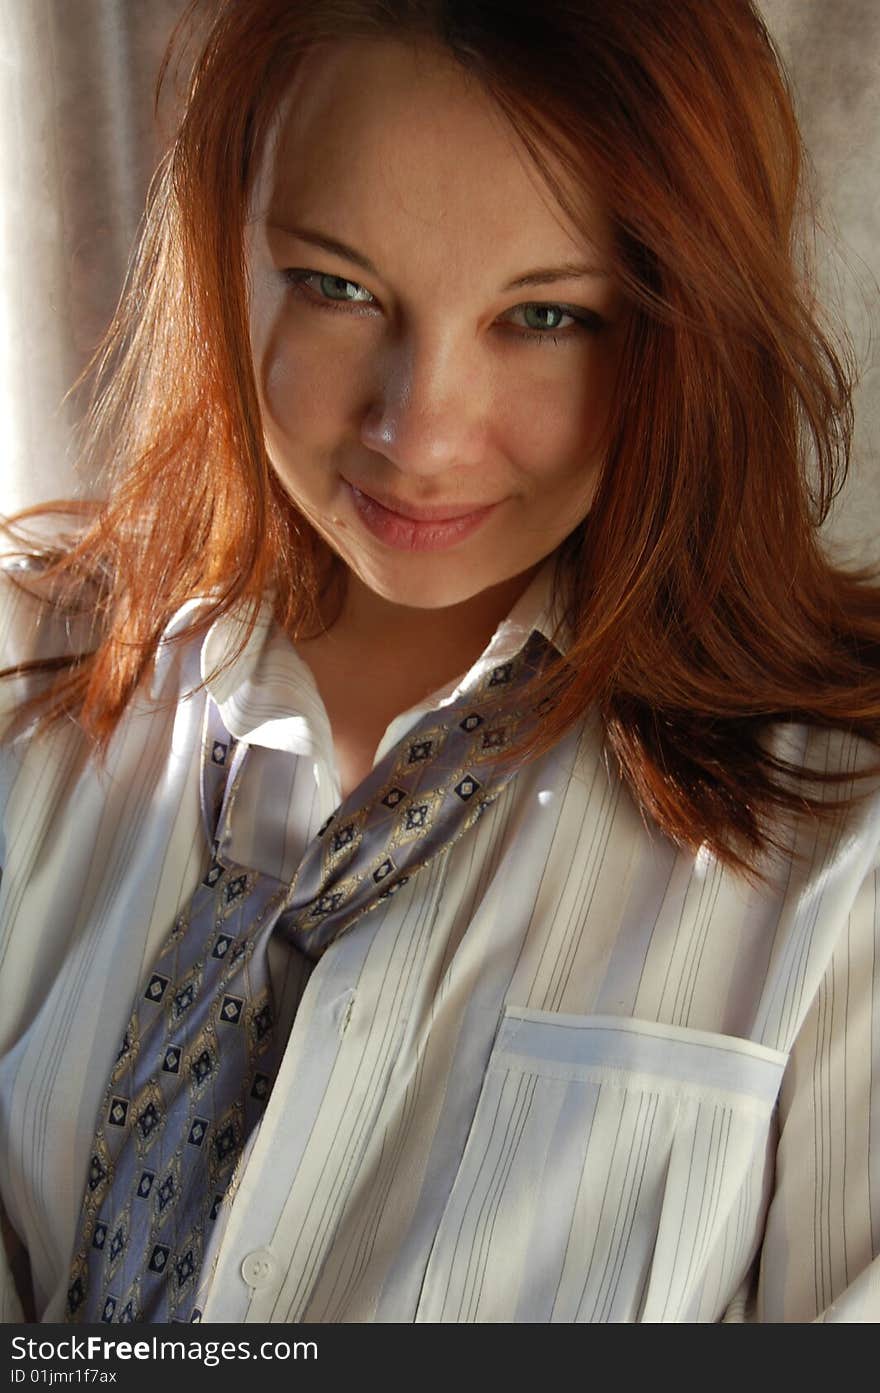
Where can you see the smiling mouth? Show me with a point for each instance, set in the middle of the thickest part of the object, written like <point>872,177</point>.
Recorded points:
<point>421,528</point>
<point>413,512</point>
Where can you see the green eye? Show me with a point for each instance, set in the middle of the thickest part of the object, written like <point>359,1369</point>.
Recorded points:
<point>327,291</point>
<point>338,288</point>
<point>553,324</point>
<point>547,317</point>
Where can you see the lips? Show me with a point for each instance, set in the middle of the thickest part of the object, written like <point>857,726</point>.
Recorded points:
<point>422,512</point>
<point>421,527</point>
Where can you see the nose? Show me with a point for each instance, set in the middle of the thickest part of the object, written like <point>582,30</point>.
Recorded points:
<point>429,410</point>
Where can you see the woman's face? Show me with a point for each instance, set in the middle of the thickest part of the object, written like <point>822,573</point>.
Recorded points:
<point>434,348</point>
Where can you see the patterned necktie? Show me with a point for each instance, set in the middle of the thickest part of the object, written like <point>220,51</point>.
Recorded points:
<point>199,1057</point>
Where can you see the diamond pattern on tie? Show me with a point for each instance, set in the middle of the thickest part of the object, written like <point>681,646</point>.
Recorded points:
<point>427,791</point>
<point>160,1142</point>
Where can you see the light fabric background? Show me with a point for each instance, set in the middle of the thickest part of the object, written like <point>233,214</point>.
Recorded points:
<point>78,143</point>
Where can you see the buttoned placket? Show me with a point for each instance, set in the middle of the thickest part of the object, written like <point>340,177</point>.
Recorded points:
<point>328,1029</point>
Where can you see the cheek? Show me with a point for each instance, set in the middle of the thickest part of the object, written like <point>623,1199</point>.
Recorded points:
<point>306,392</point>
<point>554,422</point>
<point>308,386</point>
<point>303,413</point>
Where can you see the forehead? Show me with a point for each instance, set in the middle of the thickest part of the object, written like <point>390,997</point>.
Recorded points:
<point>381,138</point>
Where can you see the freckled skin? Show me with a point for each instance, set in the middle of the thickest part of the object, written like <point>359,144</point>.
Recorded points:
<point>428,391</point>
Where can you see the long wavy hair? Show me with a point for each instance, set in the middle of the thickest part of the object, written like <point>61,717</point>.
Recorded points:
<point>702,606</point>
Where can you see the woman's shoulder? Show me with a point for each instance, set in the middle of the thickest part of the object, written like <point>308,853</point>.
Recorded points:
<point>35,627</point>
<point>828,764</point>
<point>31,625</point>
<point>820,749</point>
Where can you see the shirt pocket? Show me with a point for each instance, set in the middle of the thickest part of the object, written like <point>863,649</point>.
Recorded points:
<point>616,1170</point>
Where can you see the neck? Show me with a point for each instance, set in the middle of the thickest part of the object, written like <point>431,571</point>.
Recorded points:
<point>375,659</point>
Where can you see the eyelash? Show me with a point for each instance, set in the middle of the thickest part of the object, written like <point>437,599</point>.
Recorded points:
<point>584,320</point>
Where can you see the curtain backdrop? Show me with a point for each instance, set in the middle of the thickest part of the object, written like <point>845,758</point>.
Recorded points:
<point>79,141</point>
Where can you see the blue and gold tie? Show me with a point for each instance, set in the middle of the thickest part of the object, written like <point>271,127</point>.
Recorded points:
<point>200,1054</point>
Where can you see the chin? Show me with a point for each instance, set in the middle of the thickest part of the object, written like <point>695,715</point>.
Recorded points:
<point>427,591</point>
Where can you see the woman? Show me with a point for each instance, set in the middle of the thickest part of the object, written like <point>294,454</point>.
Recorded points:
<point>459,405</point>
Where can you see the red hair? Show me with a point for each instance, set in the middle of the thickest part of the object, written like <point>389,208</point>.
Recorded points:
<point>702,604</point>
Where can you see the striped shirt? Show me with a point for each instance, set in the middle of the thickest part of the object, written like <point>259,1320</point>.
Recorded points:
<point>569,1073</point>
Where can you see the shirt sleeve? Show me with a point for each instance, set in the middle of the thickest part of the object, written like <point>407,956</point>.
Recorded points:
<point>24,634</point>
<point>18,624</point>
<point>819,1260</point>
<point>29,630</point>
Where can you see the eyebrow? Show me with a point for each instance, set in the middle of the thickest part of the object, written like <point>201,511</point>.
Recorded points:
<point>542,275</point>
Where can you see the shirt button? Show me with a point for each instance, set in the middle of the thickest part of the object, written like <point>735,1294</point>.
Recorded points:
<point>260,1268</point>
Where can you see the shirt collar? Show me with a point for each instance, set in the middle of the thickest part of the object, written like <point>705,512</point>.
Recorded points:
<point>268,696</point>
